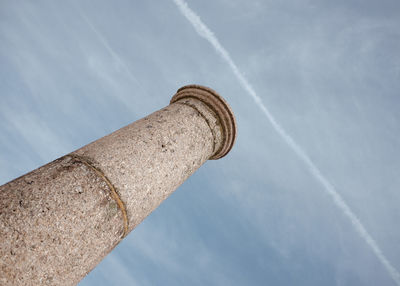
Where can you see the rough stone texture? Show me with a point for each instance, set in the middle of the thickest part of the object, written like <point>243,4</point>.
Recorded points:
<point>59,221</point>
<point>225,117</point>
<point>52,221</point>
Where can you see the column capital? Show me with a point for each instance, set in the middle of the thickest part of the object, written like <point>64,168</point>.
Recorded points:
<point>220,107</point>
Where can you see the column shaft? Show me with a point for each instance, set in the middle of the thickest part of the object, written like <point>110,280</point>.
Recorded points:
<point>58,221</point>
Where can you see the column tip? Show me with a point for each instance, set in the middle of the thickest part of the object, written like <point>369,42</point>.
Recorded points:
<point>218,104</point>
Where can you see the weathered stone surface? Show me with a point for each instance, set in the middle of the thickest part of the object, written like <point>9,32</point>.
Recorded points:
<point>59,221</point>
<point>52,222</point>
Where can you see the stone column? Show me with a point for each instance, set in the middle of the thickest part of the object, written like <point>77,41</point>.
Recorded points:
<point>59,221</point>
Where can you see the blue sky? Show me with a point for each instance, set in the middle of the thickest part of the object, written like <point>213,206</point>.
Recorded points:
<point>327,71</point>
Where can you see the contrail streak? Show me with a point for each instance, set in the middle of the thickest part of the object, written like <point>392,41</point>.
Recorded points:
<point>206,33</point>
<point>110,50</point>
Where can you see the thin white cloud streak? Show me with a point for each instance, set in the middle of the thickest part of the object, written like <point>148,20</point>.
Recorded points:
<point>110,50</point>
<point>206,33</point>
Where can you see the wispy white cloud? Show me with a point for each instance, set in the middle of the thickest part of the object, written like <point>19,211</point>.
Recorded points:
<point>29,126</point>
<point>206,33</point>
<point>117,266</point>
<point>121,64</point>
<point>158,244</point>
